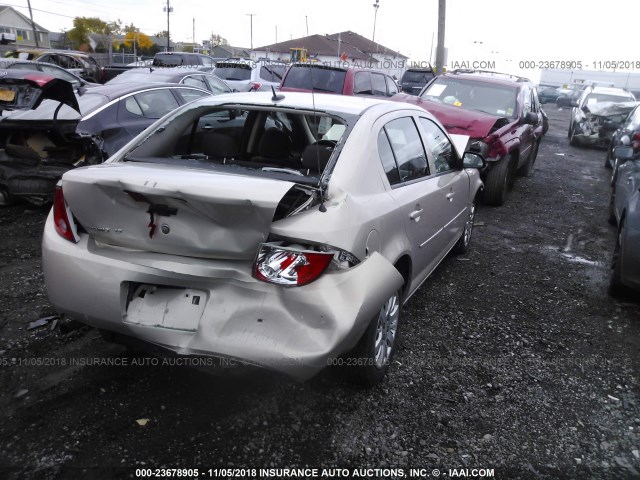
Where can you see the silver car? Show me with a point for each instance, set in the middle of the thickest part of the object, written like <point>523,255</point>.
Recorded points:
<point>279,231</point>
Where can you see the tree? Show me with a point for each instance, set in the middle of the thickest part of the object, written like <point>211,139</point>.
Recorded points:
<point>85,26</point>
<point>161,34</point>
<point>218,40</point>
<point>143,42</point>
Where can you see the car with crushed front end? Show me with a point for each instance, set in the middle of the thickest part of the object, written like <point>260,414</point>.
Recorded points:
<point>500,112</point>
<point>278,231</point>
<point>624,210</point>
<point>590,113</point>
<point>47,127</point>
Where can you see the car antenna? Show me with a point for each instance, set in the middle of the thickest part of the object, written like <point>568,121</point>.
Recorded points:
<point>276,97</point>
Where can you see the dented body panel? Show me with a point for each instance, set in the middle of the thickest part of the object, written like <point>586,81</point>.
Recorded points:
<point>190,229</point>
<point>293,331</point>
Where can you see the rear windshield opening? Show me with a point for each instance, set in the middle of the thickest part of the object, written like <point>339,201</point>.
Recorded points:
<point>315,77</point>
<point>233,71</point>
<point>293,145</point>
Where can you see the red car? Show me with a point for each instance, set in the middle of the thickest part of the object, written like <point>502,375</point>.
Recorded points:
<point>502,111</point>
<point>307,77</point>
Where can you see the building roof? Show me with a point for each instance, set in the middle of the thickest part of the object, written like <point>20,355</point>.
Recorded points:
<point>39,27</point>
<point>231,51</point>
<point>354,46</point>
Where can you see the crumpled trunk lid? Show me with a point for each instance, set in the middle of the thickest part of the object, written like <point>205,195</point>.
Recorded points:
<point>171,210</point>
<point>25,90</point>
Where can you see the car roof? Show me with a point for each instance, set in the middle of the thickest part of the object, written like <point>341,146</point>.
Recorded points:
<point>322,102</point>
<point>113,91</point>
<point>337,67</point>
<point>610,90</point>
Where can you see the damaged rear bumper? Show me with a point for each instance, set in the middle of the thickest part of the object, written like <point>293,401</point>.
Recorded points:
<point>296,331</point>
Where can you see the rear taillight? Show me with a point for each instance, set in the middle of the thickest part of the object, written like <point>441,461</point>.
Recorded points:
<point>288,266</point>
<point>62,217</point>
<point>255,86</point>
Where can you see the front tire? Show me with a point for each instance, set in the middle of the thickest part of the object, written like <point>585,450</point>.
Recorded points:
<point>369,360</point>
<point>497,182</point>
<point>462,245</point>
<point>573,141</point>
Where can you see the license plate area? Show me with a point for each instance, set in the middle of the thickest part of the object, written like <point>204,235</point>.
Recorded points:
<point>166,307</point>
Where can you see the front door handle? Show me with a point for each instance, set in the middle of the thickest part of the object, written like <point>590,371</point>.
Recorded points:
<point>415,215</point>
<point>629,179</point>
<point>450,196</point>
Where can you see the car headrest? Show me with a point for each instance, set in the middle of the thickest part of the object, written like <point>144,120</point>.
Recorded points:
<point>219,145</point>
<point>274,144</point>
<point>315,156</point>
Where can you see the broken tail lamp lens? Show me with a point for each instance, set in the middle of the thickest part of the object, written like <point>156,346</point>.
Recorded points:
<point>290,267</point>
<point>255,86</point>
<point>62,218</point>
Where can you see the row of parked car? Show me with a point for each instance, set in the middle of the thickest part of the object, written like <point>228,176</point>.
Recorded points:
<point>609,118</point>
<point>276,228</point>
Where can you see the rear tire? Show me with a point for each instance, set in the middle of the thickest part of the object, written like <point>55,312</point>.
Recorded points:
<point>612,210</point>
<point>497,182</point>
<point>616,288</point>
<point>369,360</point>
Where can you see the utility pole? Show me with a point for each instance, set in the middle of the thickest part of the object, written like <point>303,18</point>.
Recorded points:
<point>276,33</point>
<point>251,15</point>
<point>33,25</point>
<point>194,33</point>
<point>306,20</point>
<point>442,7</point>
<point>376,6</point>
<point>168,9</point>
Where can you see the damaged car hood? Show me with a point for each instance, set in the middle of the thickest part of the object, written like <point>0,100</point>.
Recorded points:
<point>610,109</point>
<point>456,120</point>
<point>25,90</point>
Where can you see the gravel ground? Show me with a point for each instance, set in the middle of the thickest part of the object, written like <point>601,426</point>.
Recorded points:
<point>512,358</point>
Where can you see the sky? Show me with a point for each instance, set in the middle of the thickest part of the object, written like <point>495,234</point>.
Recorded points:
<point>506,32</point>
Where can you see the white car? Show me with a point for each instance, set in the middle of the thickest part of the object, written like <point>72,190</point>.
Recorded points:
<point>238,227</point>
<point>245,75</point>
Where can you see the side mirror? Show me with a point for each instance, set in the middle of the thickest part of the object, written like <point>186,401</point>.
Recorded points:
<point>623,153</point>
<point>530,118</point>
<point>573,103</point>
<point>473,160</point>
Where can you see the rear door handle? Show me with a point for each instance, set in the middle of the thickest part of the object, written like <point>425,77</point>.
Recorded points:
<point>415,215</point>
<point>630,179</point>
